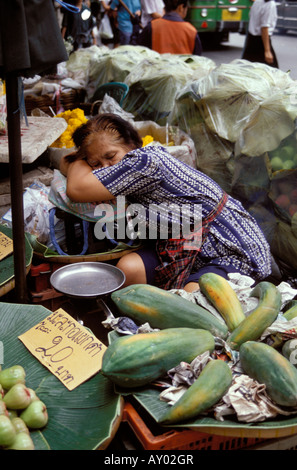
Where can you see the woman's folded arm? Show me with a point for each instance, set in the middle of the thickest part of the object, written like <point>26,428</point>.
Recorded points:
<point>82,184</point>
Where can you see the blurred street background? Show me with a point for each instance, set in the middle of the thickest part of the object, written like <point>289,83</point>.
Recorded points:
<point>284,46</point>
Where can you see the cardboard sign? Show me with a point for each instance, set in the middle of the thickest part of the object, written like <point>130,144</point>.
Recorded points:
<point>69,351</point>
<point>6,246</point>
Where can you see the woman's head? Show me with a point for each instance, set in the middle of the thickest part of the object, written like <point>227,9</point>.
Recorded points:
<point>104,140</point>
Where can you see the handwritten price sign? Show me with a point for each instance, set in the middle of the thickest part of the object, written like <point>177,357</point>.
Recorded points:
<point>70,351</point>
<point>6,246</point>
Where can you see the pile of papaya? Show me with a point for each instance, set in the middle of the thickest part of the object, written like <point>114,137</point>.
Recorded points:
<point>185,330</point>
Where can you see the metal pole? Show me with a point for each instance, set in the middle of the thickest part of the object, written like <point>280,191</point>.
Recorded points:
<point>16,186</point>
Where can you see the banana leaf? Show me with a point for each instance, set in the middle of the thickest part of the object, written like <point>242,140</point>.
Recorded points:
<point>275,77</point>
<point>79,63</point>
<point>227,97</point>
<point>115,65</point>
<point>273,428</point>
<point>153,86</point>
<point>81,419</point>
<point>7,264</point>
<point>267,126</point>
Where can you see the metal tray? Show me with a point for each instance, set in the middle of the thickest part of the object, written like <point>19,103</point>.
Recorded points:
<point>87,279</point>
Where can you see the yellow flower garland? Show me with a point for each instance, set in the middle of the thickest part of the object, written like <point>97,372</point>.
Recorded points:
<point>147,140</point>
<point>74,118</point>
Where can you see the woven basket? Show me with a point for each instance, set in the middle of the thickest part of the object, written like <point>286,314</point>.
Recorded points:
<point>45,103</point>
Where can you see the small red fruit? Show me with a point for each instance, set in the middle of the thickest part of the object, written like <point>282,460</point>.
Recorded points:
<point>292,209</point>
<point>293,196</point>
<point>283,201</point>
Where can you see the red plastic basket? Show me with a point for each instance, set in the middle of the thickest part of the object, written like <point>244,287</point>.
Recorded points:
<point>181,440</point>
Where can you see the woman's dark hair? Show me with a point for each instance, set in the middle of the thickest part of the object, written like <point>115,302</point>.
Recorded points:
<point>108,122</point>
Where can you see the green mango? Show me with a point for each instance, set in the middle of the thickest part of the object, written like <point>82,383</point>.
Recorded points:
<point>11,376</point>
<point>7,431</point>
<point>18,397</point>
<point>3,409</point>
<point>23,441</point>
<point>35,415</point>
<point>19,425</point>
<point>33,395</point>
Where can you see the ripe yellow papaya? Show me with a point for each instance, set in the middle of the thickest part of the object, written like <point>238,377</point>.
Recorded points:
<point>162,309</point>
<point>221,295</point>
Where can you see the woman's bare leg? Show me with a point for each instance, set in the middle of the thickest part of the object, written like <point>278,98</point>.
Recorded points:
<point>191,287</point>
<point>133,268</point>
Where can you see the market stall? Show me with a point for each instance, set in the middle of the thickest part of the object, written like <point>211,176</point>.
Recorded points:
<point>33,50</point>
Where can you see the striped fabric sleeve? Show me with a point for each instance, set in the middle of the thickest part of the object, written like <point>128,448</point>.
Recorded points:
<point>137,173</point>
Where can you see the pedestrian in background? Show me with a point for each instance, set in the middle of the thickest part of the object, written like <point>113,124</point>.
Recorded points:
<point>171,33</point>
<point>258,46</point>
<point>100,10</point>
<point>124,23</point>
<point>78,27</point>
<point>150,10</point>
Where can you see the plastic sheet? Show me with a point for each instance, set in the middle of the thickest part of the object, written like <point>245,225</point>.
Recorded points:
<point>268,125</point>
<point>214,155</point>
<point>242,118</point>
<point>114,65</point>
<point>250,106</point>
<point>176,142</point>
<point>79,62</point>
<point>155,83</point>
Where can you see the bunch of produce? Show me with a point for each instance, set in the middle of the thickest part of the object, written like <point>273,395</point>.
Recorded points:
<point>237,115</point>
<point>115,65</point>
<point>284,157</point>
<point>155,82</point>
<point>20,410</point>
<point>185,329</point>
<point>74,118</point>
<point>283,192</point>
<point>287,198</point>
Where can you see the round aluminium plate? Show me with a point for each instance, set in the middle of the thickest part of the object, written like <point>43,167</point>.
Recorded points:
<point>90,280</point>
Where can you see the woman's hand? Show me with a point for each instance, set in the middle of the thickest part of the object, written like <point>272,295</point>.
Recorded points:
<point>268,57</point>
<point>64,165</point>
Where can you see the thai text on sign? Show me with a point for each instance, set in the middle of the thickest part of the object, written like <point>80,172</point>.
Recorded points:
<point>6,246</point>
<point>69,350</point>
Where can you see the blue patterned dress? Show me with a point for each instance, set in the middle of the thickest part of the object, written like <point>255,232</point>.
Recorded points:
<point>234,242</point>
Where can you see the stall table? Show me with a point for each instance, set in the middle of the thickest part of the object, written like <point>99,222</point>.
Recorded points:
<point>40,133</point>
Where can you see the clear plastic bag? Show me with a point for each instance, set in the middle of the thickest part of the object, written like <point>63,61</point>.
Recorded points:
<point>176,142</point>
<point>114,65</point>
<point>105,29</point>
<point>36,211</point>
<point>214,155</point>
<point>156,82</point>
